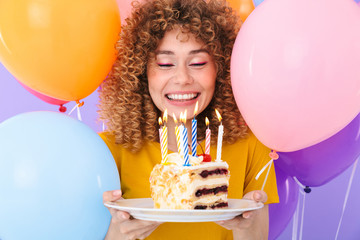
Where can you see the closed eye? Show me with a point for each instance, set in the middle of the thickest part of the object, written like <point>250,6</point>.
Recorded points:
<point>165,64</point>
<point>198,64</point>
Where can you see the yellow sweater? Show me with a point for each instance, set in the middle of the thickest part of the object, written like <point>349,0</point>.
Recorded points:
<point>246,158</point>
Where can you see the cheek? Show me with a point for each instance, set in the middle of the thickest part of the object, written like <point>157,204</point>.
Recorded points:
<point>155,85</point>
<point>208,82</point>
<point>152,83</point>
<point>154,90</point>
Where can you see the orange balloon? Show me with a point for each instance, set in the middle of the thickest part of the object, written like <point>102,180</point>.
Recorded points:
<point>243,7</point>
<point>61,48</point>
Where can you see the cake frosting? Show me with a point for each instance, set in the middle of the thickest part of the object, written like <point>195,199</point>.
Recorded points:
<point>203,185</point>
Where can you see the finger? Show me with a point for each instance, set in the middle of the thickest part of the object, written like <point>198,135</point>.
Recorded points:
<point>111,196</point>
<point>247,215</point>
<point>257,195</point>
<point>119,216</point>
<point>115,213</point>
<point>232,223</point>
<point>147,233</point>
<point>133,229</point>
<point>123,215</point>
<point>135,225</point>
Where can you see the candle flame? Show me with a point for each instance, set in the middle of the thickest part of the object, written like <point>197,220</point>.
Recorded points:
<point>165,116</point>
<point>183,117</point>
<point>218,115</point>
<point>196,108</point>
<point>160,121</point>
<point>207,122</point>
<point>174,117</point>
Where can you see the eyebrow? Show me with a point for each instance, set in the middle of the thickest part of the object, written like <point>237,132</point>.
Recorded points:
<point>192,52</point>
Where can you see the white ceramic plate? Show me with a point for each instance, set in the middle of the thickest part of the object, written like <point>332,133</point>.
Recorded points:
<point>143,208</point>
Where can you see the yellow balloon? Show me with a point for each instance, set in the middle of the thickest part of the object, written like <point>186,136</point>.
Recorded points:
<point>243,7</point>
<point>60,48</point>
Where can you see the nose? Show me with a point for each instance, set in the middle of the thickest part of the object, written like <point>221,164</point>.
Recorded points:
<point>183,76</point>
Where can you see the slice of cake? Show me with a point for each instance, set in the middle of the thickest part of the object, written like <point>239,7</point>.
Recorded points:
<point>203,185</point>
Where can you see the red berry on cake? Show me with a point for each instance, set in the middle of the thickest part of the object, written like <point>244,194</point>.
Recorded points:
<point>206,157</point>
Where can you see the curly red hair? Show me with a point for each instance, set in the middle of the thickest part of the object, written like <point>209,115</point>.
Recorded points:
<point>125,103</point>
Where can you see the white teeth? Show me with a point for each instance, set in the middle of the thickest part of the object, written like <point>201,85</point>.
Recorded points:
<point>187,96</point>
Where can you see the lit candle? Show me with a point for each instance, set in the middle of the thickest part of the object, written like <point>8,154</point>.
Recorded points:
<point>181,130</point>
<point>177,133</point>
<point>207,138</point>
<point>164,148</point>
<point>185,141</point>
<point>220,137</point>
<point>194,132</point>
<point>161,136</point>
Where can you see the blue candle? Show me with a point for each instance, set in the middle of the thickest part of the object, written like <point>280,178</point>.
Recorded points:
<point>185,146</point>
<point>184,137</point>
<point>194,132</point>
<point>193,137</point>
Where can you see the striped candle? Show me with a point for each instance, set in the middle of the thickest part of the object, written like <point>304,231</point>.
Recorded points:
<point>194,132</point>
<point>177,133</point>
<point>185,146</point>
<point>164,145</point>
<point>207,137</point>
<point>161,136</point>
<point>184,141</point>
<point>193,137</point>
<point>181,130</point>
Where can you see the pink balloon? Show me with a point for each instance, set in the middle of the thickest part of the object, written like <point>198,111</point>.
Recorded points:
<point>125,9</point>
<point>295,70</point>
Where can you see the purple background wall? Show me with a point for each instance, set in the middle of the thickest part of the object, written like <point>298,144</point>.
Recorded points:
<point>323,205</point>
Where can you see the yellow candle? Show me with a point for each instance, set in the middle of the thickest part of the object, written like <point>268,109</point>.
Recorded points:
<point>164,145</point>
<point>177,133</point>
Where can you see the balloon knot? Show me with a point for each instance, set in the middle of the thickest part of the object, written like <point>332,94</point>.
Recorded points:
<point>62,108</point>
<point>307,189</point>
<point>273,155</point>
<point>79,104</point>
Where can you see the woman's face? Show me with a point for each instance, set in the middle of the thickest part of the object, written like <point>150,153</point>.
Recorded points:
<point>181,74</point>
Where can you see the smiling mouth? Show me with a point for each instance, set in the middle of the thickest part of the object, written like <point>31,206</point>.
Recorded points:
<point>182,97</point>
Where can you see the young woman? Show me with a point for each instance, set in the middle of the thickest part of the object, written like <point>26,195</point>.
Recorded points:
<point>172,54</point>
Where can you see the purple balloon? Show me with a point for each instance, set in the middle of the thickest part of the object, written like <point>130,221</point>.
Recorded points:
<point>281,213</point>
<point>320,163</point>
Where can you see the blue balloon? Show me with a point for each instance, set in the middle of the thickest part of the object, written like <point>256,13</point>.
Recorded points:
<point>53,172</point>
<point>257,2</point>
